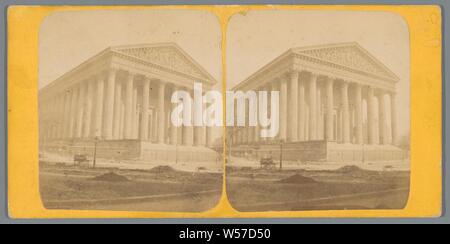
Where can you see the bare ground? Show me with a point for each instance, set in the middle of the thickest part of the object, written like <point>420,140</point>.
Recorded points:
<point>249,189</point>
<point>290,190</point>
<point>164,189</point>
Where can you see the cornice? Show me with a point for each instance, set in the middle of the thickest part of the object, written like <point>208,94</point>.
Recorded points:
<point>158,67</point>
<point>340,67</point>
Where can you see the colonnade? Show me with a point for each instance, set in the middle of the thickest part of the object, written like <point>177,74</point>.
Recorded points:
<point>116,105</point>
<point>318,107</point>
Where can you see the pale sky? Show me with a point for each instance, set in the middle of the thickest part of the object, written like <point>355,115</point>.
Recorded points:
<point>253,40</point>
<point>68,38</point>
<point>259,36</point>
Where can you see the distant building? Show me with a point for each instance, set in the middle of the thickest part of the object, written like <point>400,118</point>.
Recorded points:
<point>334,105</point>
<point>121,98</point>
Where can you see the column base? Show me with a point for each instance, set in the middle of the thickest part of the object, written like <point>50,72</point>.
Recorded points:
<point>321,151</point>
<point>133,149</point>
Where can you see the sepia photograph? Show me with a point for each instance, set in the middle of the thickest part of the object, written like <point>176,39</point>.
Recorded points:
<point>107,140</point>
<point>324,98</point>
<point>199,117</point>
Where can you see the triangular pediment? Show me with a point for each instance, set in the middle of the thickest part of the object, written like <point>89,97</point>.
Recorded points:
<point>349,55</point>
<point>167,55</point>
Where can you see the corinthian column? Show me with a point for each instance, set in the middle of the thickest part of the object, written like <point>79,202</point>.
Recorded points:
<point>66,122</point>
<point>135,115</point>
<point>145,108</point>
<point>88,110</point>
<point>274,86</point>
<point>248,131</point>
<point>293,107</point>
<point>345,113</point>
<point>109,104</point>
<point>320,117</point>
<point>60,115</point>
<point>99,106</point>
<point>244,128</point>
<point>154,133</point>
<point>209,141</point>
<point>122,121</point>
<point>358,114</point>
<point>80,108</point>
<point>329,111</point>
<point>161,112</point>
<point>393,119</point>
<point>129,89</point>
<point>302,110</point>
<point>370,116</point>
<point>188,131</point>
<point>256,128</point>
<point>173,128</point>
<point>199,130</point>
<point>117,106</point>
<point>283,109</point>
<point>382,117</point>
<point>73,112</point>
<point>313,107</point>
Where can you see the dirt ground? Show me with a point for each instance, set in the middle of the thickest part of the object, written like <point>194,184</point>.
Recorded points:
<point>349,187</point>
<point>159,189</point>
<point>163,188</point>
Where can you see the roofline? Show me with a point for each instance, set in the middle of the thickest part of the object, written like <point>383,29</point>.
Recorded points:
<point>344,44</point>
<point>113,49</point>
<point>175,45</point>
<point>265,67</point>
<point>293,50</point>
<point>77,67</point>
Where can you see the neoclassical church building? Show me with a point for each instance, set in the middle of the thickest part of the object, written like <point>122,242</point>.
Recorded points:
<point>119,101</point>
<point>337,103</point>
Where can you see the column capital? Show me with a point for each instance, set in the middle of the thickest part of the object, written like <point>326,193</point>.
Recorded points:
<point>111,69</point>
<point>304,70</point>
<point>358,85</point>
<point>293,72</point>
<point>147,77</point>
<point>294,75</point>
<point>277,79</point>
<point>314,75</point>
<point>74,87</point>
<point>82,82</point>
<point>131,73</point>
<point>380,92</point>
<point>342,81</point>
<point>329,79</point>
<point>100,75</point>
<point>370,87</point>
<point>161,82</point>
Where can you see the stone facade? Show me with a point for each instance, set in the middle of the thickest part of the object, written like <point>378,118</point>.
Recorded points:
<point>121,98</point>
<point>334,105</point>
